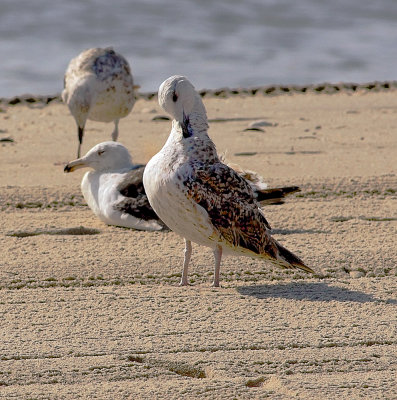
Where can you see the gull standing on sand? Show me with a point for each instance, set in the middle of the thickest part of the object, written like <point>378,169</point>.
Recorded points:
<point>98,85</point>
<point>114,189</point>
<point>198,196</point>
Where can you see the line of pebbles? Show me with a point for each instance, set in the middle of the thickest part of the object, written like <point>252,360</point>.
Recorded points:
<point>272,90</point>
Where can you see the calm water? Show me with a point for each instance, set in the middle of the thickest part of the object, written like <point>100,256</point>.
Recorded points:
<point>215,43</point>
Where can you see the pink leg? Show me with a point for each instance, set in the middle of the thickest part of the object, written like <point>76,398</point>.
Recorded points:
<point>188,253</point>
<point>218,257</point>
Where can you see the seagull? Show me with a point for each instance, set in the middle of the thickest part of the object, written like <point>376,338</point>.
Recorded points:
<point>98,85</point>
<point>114,189</point>
<point>201,198</point>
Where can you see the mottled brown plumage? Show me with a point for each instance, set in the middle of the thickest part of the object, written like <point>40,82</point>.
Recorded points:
<point>235,213</point>
<point>198,196</point>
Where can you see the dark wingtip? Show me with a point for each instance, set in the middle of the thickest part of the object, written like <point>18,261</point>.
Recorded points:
<point>275,195</point>
<point>67,168</point>
<point>303,267</point>
<point>290,189</point>
<point>293,260</point>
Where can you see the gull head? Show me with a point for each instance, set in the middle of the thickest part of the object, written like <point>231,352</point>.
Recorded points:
<point>178,97</point>
<point>106,156</point>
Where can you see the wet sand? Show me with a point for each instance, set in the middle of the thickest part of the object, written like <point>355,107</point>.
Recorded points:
<point>95,311</point>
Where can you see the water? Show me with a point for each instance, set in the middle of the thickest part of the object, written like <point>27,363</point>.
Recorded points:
<point>215,43</point>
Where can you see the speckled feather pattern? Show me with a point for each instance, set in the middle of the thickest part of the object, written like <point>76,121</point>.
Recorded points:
<point>201,198</point>
<point>110,65</point>
<point>99,85</point>
<point>238,221</point>
<point>231,206</point>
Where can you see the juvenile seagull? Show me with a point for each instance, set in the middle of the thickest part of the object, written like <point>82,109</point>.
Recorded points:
<point>198,196</point>
<point>114,189</point>
<point>98,86</point>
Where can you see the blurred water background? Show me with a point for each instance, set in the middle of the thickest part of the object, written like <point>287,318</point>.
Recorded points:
<point>224,43</point>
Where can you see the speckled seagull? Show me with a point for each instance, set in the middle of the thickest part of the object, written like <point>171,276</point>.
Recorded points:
<point>198,196</point>
<point>98,86</point>
<point>114,189</point>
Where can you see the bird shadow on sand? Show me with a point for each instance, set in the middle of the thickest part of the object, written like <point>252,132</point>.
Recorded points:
<point>80,230</point>
<point>312,291</point>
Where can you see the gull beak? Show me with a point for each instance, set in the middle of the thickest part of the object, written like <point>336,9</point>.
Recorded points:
<point>187,130</point>
<point>75,164</point>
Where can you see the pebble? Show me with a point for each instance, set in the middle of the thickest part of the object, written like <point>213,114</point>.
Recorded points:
<point>148,110</point>
<point>356,274</point>
<point>254,128</point>
<point>161,118</point>
<point>260,123</point>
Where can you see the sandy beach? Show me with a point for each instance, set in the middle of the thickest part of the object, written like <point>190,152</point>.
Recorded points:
<point>95,311</point>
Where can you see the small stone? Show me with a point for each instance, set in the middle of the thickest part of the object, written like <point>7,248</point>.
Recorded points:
<point>14,101</point>
<point>246,153</point>
<point>254,128</point>
<point>161,118</point>
<point>356,274</point>
<point>260,123</point>
<point>148,110</point>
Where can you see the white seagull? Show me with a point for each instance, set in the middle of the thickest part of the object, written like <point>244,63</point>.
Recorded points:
<point>114,189</point>
<point>198,196</point>
<point>98,85</point>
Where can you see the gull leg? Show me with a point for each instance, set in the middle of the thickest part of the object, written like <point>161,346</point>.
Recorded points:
<point>80,134</point>
<point>188,253</point>
<point>218,257</point>
<point>115,133</point>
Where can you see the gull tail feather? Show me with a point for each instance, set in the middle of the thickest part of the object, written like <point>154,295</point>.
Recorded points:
<point>274,195</point>
<point>286,259</point>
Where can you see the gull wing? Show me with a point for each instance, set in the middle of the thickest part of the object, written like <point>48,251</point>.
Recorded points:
<point>231,206</point>
<point>134,200</point>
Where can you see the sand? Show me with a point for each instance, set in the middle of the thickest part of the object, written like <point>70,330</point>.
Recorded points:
<point>95,311</point>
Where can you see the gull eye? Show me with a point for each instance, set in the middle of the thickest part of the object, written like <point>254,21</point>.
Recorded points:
<point>100,152</point>
<point>174,97</point>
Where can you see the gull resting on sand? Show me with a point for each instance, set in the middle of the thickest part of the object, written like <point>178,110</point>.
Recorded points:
<point>114,189</point>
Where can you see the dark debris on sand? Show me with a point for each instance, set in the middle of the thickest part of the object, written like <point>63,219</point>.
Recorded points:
<point>271,90</point>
